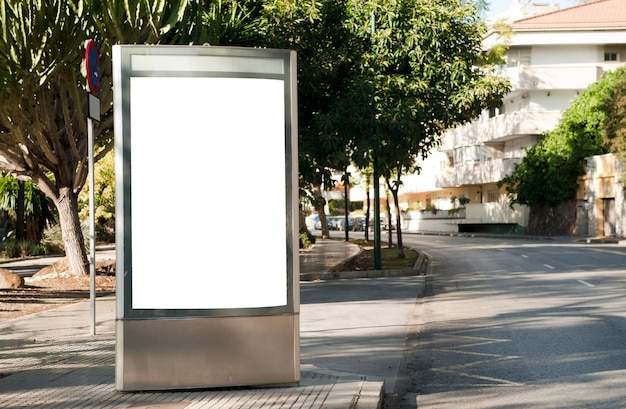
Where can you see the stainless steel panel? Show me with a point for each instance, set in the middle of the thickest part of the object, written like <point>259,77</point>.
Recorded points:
<point>211,352</point>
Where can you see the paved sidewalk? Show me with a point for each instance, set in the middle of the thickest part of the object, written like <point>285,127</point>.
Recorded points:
<point>352,338</point>
<point>325,256</point>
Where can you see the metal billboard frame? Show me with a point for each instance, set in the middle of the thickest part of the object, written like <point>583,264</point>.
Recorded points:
<point>207,326</point>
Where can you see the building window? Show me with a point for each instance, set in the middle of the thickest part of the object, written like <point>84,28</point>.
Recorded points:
<point>472,154</point>
<point>493,196</point>
<point>518,57</point>
<point>614,57</point>
<point>446,163</point>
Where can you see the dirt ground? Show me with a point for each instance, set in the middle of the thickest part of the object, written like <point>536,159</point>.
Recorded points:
<point>53,287</point>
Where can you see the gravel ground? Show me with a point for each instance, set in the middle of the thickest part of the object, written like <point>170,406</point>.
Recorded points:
<point>53,287</point>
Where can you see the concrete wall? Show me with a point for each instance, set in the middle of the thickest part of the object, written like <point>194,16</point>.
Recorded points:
<point>444,221</point>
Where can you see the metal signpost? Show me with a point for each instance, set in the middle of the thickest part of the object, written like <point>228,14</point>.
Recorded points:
<point>195,126</point>
<point>92,65</point>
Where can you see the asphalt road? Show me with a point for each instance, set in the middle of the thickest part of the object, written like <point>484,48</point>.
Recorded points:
<point>511,323</point>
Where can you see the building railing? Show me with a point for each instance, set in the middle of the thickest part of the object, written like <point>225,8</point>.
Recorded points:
<point>476,173</point>
<point>447,221</point>
<point>500,128</point>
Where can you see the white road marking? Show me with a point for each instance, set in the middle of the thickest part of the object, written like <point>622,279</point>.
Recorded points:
<point>585,283</point>
<point>549,266</point>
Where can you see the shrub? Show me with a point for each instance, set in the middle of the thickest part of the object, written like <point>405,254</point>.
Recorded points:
<point>22,248</point>
<point>306,239</point>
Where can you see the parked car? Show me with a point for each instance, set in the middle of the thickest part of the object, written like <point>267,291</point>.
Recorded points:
<point>384,224</point>
<point>338,223</point>
<point>316,224</point>
<point>357,223</point>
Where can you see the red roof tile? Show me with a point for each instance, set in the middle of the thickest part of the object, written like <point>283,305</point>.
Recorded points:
<point>599,14</point>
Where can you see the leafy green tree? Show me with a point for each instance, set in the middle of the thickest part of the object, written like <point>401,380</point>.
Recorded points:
<point>43,135</point>
<point>417,79</point>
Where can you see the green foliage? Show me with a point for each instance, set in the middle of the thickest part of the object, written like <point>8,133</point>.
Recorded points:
<point>462,202</point>
<point>104,175</point>
<point>307,239</point>
<point>418,79</point>
<point>548,173</point>
<point>328,54</point>
<point>389,258</point>
<point>43,131</point>
<point>614,106</point>
<point>22,248</point>
<point>384,87</point>
<point>39,211</point>
<point>338,206</point>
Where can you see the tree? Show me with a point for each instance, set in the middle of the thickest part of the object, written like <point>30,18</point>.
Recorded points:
<point>43,135</point>
<point>418,78</point>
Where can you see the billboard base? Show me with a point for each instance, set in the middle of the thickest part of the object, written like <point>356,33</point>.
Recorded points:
<point>207,352</point>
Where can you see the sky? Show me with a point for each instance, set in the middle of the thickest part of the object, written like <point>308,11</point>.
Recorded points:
<point>498,6</point>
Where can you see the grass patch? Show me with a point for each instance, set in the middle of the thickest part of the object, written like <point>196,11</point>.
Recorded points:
<point>389,258</point>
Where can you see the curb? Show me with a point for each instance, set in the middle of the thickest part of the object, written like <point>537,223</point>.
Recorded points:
<point>346,261</point>
<point>573,239</point>
<point>420,269</point>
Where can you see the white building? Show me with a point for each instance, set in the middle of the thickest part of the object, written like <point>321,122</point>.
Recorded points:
<point>552,58</point>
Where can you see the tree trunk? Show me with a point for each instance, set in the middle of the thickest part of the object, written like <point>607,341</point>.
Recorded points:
<point>20,231</point>
<point>389,229</point>
<point>319,206</point>
<point>394,193</point>
<point>367,212</point>
<point>73,239</point>
<point>346,203</point>
<point>302,220</point>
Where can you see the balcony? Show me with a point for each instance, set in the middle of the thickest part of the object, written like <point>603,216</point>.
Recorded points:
<point>500,128</point>
<point>476,173</point>
<point>529,78</point>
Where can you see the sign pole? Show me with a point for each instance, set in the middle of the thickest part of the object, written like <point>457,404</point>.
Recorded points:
<point>92,228</point>
<point>92,65</point>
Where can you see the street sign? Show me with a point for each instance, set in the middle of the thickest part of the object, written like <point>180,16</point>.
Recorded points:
<point>92,64</point>
<point>93,107</point>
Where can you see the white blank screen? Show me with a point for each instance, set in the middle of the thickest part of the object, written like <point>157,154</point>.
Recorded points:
<point>208,193</point>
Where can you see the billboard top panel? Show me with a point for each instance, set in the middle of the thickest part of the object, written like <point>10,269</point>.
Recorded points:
<point>205,59</point>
